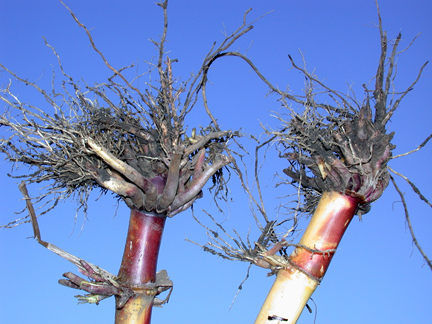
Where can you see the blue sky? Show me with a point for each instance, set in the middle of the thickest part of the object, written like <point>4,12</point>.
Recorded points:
<point>377,275</point>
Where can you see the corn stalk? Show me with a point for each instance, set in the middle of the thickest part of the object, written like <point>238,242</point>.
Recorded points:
<point>338,150</point>
<point>116,137</point>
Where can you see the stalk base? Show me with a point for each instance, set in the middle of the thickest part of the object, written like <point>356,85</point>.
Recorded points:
<point>287,297</point>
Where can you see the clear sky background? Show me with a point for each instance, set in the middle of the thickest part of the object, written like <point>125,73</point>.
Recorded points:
<point>377,276</point>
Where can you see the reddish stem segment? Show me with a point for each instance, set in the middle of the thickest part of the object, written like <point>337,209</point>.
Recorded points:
<point>309,261</point>
<point>324,233</point>
<point>139,263</point>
